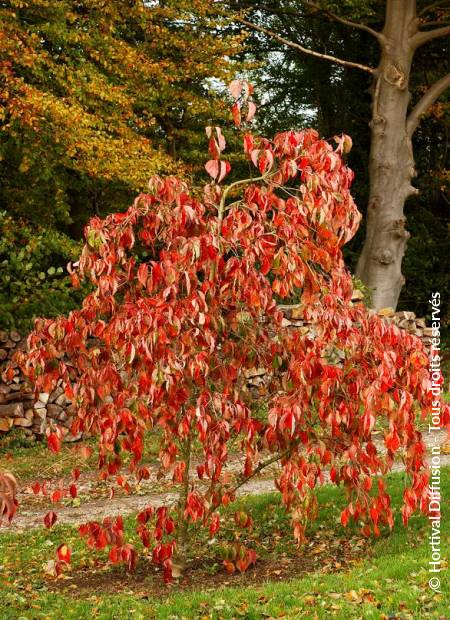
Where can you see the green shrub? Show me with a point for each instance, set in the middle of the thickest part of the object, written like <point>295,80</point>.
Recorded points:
<point>33,276</point>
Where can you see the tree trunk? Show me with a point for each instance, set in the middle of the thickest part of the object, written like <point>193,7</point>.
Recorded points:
<point>181,549</point>
<point>391,164</point>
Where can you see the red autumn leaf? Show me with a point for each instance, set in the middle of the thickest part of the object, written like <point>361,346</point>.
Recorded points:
<point>145,515</point>
<point>64,553</point>
<point>115,554</point>
<point>217,169</point>
<point>266,161</point>
<point>248,143</point>
<point>374,514</point>
<point>54,442</point>
<point>229,566</point>
<point>129,556</point>
<point>50,519</point>
<point>236,112</point>
<point>143,473</point>
<point>214,524</point>
<point>142,274</point>
<point>169,526</point>
<point>212,167</point>
<point>254,156</point>
<point>392,441</point>
<point>344,517</point>
<point>36,488</point>
<point>56,496</point>
<point>76,473</point>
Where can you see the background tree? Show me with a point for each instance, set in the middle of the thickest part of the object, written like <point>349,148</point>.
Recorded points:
<point>399,33</point>
<point>93,98</point>
<point>96,96</point>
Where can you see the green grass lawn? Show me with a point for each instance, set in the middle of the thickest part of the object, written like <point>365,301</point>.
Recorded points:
<point>337,574</point>
<point>32,461</point>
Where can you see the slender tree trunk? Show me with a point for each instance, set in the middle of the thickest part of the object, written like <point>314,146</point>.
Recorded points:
<point>391,164</point>
<point>180,554</point>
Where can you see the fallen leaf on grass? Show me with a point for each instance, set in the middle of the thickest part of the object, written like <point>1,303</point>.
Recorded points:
<point>445,448</point>
<point>309,599</point>
<point>242,609</point>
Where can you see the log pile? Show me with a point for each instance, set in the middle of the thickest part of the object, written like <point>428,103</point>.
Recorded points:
<point>18,407</point>
<point>256,377</point>
<point>410,323</point>
<point>406,320</point>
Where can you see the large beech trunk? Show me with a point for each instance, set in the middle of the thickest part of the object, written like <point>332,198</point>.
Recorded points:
<point>391,164</point>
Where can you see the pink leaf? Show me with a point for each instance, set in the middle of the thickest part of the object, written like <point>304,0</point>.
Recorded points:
<point>235,88</point>
<point>254,156</point>
<point>251,111</point>
<point>221,142</point>
<point>212,168</point>
<point>224,170</point>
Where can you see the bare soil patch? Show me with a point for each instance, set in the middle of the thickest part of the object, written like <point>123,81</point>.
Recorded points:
<point>323,553</point>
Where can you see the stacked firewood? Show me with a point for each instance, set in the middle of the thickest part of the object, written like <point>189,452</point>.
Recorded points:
<point>18,405</point>
<point>410,323</point>
<point>257,380</point>
<point>406,320</point>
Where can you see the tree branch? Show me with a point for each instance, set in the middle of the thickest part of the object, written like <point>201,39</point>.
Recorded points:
<point>439,22</point>
<point>433,93</point>
<point>267,462</point>
<point>260,467</point>
<point>347,22</point>
<point>423,36</point>
<point>305,50</point>
<point>434,5</point>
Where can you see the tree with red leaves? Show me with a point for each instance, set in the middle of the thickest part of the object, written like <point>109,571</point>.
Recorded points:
<point>185,298</point>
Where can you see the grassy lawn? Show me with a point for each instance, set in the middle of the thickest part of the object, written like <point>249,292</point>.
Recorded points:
<point>32,462</point>
<point>337,574</point>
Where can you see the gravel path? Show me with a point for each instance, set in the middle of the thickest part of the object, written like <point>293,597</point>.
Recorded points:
<point>93,510</point>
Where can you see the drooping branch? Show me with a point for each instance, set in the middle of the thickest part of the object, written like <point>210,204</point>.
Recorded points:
<point>305,50</point>
<point>423,36</point>
<point>347,22</point>
<point>425,102</point>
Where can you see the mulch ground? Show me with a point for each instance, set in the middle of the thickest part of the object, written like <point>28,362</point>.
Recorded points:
<point>146,581</point>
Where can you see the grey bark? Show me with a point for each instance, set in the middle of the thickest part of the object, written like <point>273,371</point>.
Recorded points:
<point>391,163</point>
